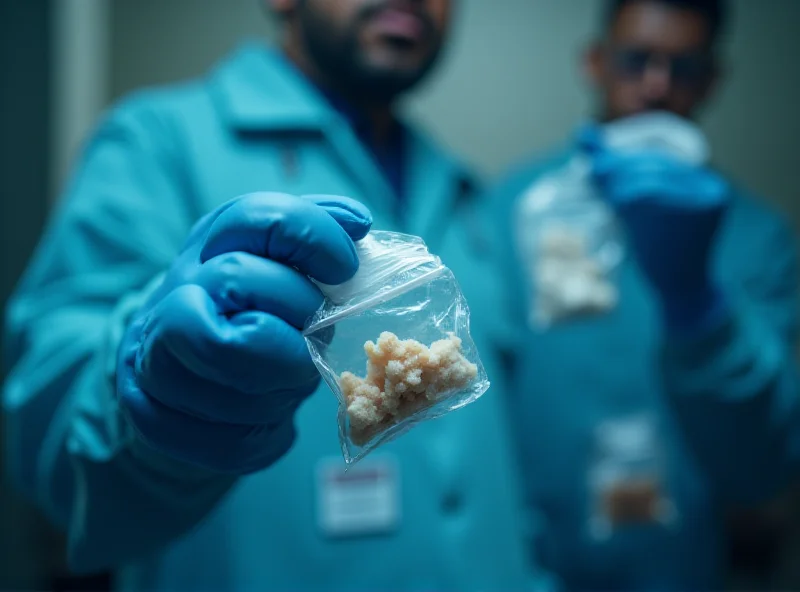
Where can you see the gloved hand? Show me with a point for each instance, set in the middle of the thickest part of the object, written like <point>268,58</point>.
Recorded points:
<point>212,368</point>
<point>671,211</point>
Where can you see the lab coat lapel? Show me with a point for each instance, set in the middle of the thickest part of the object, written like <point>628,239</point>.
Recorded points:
<point>433,187</point>
<point>361,166</point>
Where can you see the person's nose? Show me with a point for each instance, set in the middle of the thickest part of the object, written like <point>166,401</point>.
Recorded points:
<point>657,80</point>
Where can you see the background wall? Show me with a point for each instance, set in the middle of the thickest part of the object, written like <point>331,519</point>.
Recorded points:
<point>24,165</point>
<point>79,38</point>
<point>510,84</point>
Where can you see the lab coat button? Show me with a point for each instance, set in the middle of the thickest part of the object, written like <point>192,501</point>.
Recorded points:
<point>452,502</point>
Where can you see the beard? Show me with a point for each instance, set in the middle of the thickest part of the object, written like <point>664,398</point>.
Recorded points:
<point>339,54</point>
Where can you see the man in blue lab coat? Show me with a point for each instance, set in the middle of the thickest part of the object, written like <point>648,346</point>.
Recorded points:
<point>679,400</point>
<point>162,407</point>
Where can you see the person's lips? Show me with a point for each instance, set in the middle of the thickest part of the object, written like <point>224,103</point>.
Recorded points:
<point>398,24</point>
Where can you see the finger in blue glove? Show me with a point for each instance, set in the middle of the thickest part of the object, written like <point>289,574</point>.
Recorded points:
<point>672,211</point>
<point>213,367</point>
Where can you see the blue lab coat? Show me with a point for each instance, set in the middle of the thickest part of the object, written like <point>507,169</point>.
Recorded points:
<point>158,161</point>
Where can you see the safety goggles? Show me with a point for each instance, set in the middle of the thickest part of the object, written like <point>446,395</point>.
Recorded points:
<point>689,69</point>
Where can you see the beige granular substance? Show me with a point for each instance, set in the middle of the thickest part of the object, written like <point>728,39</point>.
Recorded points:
<point>403,376</point>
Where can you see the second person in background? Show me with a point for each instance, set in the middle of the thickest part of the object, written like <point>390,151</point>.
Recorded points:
<point>626,442</point>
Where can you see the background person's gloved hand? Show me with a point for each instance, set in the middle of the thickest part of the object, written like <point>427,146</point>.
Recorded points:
<point>214,365</point>
<point>671,211</point>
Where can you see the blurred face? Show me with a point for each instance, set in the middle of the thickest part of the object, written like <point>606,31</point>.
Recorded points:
<point>376,49</point>
<point>655,57</point>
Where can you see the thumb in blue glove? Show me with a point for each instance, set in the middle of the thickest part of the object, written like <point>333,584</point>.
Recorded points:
<point>671,210</point>
<point>214,365</point>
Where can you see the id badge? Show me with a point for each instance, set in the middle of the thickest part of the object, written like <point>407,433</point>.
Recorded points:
<point>627,477</point>
<point>365,500</point>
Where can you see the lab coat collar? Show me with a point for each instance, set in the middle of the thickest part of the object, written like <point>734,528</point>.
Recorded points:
<point>260,90</point>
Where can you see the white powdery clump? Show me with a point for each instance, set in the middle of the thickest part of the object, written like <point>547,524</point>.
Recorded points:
<point>403,376</point>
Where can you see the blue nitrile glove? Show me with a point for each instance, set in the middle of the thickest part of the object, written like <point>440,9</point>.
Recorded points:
<point>214,365</point>
<point>671,211</point>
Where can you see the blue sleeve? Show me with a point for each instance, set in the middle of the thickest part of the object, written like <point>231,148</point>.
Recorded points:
<point>123,219</point>
<point>735,391</point>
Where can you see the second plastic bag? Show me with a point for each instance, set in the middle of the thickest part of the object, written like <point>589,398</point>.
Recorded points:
<point>394,343</point>
<point>569,238</point>
<point>571,246</point>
